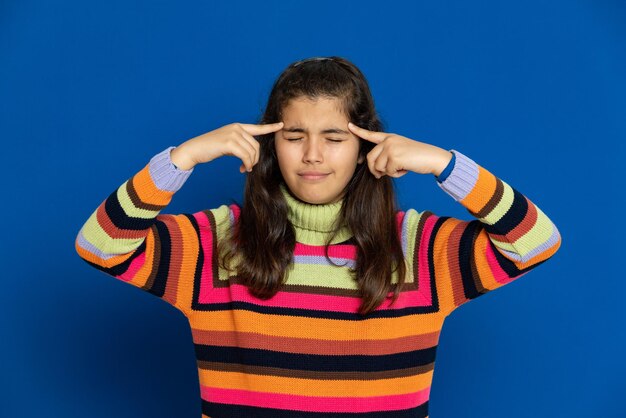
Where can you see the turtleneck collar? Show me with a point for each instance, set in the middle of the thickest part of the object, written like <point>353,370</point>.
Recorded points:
<point>314,223</point>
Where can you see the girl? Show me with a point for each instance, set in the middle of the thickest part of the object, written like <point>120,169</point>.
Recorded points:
<point>317,296</point>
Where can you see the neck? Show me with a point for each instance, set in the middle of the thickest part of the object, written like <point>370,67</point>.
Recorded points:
<point>314,224</point>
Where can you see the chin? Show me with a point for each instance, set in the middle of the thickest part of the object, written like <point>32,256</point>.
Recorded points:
<point>313,200</point>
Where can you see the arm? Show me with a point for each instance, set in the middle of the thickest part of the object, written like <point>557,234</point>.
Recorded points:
<point>509,237</point>
<point>125,237</point>
<point>170,256</point>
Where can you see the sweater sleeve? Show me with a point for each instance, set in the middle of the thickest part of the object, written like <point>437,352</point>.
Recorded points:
<point>465,259</point>
<point>126,236</point>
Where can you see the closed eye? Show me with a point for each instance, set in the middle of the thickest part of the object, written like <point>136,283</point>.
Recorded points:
<point>331,140</point>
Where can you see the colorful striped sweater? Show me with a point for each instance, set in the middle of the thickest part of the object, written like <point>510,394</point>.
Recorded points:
<point>306,352</point>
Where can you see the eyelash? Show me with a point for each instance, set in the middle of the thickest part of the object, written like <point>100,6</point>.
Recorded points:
<point>295,139</point>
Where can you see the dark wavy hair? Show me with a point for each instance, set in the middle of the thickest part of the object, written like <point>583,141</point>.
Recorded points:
<point>264,237</point>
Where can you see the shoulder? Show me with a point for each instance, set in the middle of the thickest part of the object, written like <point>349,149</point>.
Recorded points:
<point>408,217</point>
<point>218,220</point>
<point>412,223</point>
<point>226,213</point>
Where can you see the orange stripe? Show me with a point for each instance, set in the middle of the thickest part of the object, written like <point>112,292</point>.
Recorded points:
<point>325,329</point>
<point>482,266</point>
<point>143,274</point>
<point>484,188</point>
<point>446,264</point>
<point>147,191</point>
<point>185,247</point>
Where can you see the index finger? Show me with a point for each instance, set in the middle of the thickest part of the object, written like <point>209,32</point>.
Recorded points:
<point>262,129</point>
<point>372,136</point>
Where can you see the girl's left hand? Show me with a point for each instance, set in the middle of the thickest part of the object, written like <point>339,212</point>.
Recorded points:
<point>395,155</point>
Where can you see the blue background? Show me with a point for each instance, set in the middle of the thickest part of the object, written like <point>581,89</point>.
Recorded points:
<point>535,92</point>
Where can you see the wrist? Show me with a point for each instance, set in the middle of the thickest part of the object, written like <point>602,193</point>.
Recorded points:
<point>181,159</point>
<point>442,159</point>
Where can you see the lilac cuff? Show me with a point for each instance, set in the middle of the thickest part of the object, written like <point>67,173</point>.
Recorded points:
<point>165,174</point>
<point>462,178</point>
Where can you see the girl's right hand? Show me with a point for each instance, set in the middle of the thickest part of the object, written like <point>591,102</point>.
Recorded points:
<point>234,139</point>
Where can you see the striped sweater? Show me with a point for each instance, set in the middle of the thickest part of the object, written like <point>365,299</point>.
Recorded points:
<point>306,352</point>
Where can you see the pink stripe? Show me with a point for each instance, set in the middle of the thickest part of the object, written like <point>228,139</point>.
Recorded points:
<point>134,267</point>
<point>314,403</point>
<point>236,210</point>
<point>500,275</point>
<point>339,251</point>
<point>239,293</point>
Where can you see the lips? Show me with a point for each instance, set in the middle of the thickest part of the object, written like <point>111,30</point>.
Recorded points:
<point>313,175</point>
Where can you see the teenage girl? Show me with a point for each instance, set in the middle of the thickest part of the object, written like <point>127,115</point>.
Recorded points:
<point>317,296</point>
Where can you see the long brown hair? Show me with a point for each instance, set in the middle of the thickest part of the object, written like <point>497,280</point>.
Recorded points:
<point>264,237</point>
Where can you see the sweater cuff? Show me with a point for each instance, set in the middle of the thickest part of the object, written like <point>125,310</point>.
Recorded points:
<point>446,171</point>
<point>461,180</point>
<point>165,175</point>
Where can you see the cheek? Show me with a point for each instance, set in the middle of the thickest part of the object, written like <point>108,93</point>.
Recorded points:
<point>279,150</point>
<point>284,158</point>
<point>352,155</point>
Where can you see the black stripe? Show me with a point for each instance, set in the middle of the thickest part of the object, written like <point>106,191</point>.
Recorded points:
<point>466,256</point>
<point>431,256</point>
<point>121,268</point>
<point>120,219</point>
<point>313,313</point>
<point>509,266</point>
<point>218,410</point>
<point>316,362</point>
<point>162,238</point>
<point>513,216</point>
<point>467,263</point>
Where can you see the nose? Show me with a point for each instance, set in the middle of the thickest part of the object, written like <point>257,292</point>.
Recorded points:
<point>312,151</point>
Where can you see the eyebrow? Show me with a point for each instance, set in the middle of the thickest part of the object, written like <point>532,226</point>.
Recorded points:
<point>325,131</point>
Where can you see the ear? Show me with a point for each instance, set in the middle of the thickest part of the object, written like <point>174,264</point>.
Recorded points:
<point>361,159</point>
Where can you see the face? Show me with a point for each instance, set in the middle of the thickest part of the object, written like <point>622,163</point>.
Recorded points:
<point>315,139</point>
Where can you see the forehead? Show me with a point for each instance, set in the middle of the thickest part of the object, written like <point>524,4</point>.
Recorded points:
<point>314,111</point>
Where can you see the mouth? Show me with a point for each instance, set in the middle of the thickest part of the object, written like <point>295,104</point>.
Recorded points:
<point>317,176</point>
